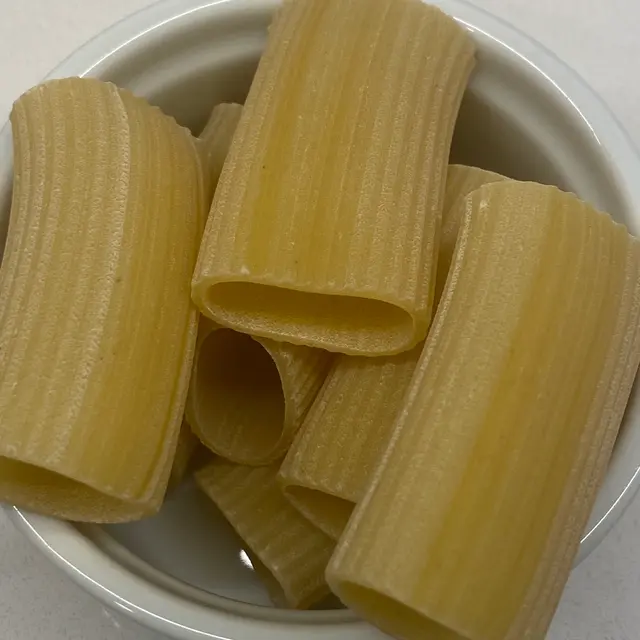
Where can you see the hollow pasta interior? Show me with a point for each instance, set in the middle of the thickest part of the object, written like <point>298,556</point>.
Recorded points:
<point>325,316</point>
<point>327,511</point>
<point>239,401</point>
<point>248,396</point>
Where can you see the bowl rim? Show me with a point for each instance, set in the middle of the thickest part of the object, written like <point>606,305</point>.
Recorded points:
<point>149,605</point>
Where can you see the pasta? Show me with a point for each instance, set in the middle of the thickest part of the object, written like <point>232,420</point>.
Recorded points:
<point>323,230</point>
<point>348,427</point>
<point>248,397</point>
<point>293,551</point>
<point>94,278</point>
<point>472,521</point>
<point>216,137</point>
<point>461,181</point>
<point>185,450</point>
<point>275,592</point>
<point>247,404</point>
<point>220,127</point>
<point>344,435</point>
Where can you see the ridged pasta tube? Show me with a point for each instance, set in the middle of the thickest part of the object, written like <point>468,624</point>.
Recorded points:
<point>291,549</point>
<point>344,436</point>
<point>97,329</point>
<point>323,231</point>
<point>461,181</point>
<point>247,404</point>
<point>185,450</point>
<point>216,138</point>
<point>471,524</point>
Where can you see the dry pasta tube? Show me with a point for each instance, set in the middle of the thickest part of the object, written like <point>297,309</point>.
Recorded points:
<point>106,219</point>
<point>248,396</point>
<point>216,138</point>
<point>291,549</point>
<point>323,230</point>
<point>349,425</point>
<point>218,133</point>
<point>271,585</point>
<point>461,181</point>
<point>344,436</point>
<point>472,521</point>
<point>185,450</point>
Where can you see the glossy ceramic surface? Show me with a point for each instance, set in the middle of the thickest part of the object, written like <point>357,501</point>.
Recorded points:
<point>184,572</point>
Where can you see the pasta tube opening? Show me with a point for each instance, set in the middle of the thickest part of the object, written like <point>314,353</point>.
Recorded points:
<point>44,491</point>
<point>248,396</point>
<point>329,512</point>
<point>307,316</point>
<point>398,618</point>
<point>240,401</point>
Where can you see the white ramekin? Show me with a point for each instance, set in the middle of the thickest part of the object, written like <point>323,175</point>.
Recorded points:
<point>526,114</point>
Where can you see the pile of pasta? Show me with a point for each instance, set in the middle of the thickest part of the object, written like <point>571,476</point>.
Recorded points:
<point>411,374</point>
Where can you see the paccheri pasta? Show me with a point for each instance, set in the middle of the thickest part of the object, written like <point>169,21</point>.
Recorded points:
<point>323,230</point>
<point>185,450</point>
<point>248,395</point>
<point>342,438</point>
<point>291,549</point>
<point>97,329</point>
<point>216,137</point>
<point>472,521</point>
<point>461,181</point>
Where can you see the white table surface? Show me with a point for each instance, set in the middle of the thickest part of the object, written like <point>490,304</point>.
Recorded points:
<point>599,39</point>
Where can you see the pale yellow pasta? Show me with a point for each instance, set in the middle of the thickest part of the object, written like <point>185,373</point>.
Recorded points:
<point>97,330</point>
<point>185,450</point>
<point>349,425</point>
<point>461,181</point>
<point>290,548</point>
<point>273,588</point>
<point>247,397</point>
<point>324,227</point>
<point>219,130</point>
<point>216,138</point>
<point>346,431</point>
<point>471,524</point>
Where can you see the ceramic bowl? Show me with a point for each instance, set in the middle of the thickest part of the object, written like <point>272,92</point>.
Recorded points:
<point>527,115</point>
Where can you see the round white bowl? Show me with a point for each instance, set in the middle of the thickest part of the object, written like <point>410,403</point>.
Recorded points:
<point>525,114</point>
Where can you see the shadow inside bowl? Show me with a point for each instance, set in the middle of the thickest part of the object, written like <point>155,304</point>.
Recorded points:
<point>191,550</point>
